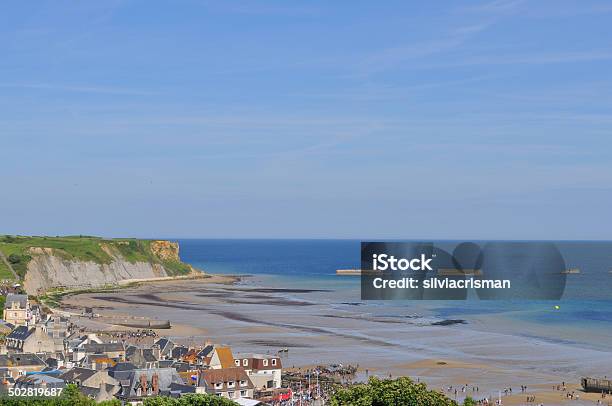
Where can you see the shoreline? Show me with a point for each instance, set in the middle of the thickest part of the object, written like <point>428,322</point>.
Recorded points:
<point>250,317</point>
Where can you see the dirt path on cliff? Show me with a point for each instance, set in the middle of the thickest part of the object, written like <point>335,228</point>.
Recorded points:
<point>9,266</point>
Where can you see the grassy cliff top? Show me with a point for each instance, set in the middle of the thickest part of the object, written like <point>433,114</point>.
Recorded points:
<point>18,251</point>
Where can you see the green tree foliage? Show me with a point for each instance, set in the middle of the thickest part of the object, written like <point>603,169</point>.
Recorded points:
<point>390,392</point>
<point>191,399</point>
<point>70,397</point>
<point>469,402</point>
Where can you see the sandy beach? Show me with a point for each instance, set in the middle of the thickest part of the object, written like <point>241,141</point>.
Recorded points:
<point>264,319</point>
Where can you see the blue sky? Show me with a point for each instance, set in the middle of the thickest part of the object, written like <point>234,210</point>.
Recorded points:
<point>486,119</point>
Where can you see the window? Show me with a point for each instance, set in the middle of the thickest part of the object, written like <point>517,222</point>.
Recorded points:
<point>243,393</point>
<point>237,362</point>
<point>230,384</point>
<point>218,385</point>
<point>265,363</point>
<point>274,362</point>
<point>245,362</point>
<point>230,394</point>
<point>243,383</point>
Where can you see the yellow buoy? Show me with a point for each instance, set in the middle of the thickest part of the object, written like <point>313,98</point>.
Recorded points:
<point>557,307</point>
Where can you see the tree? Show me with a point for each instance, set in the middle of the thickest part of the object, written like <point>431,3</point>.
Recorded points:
<point>190,399</point>
<point>70,397</point>
<point>469,402</point>
<point>388,392</point>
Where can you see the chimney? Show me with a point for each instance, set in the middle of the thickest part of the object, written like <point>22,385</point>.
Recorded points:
<point>103,394</point>
<point>155,383</point>
<point>143,383</point>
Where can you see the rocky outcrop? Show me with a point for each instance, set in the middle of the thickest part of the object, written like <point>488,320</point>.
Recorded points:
<point>165,250</point>
<point>49,269</point>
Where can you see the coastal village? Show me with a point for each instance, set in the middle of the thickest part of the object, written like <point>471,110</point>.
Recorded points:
<point>55,335</point>
<point>43,349</point>
<point>47,351</point>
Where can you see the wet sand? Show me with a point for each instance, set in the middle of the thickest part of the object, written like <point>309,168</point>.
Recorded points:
<point>264,319</point>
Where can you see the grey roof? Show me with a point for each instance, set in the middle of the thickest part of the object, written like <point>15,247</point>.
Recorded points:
<point>21,333</point>
<point>13,360</point>
<point>123,366</point>
<point>39,379</point>
<point>181,366</point>
<point>130,350</point>
<point>78,374</point>
<point>94,392</point>
<point>120,368</point>
<point>165,345</point>
<point>179,351</point>
<point>165,363</point>
<point>182,388</point>
<point>129,384</point>
<point>51,361</point>
<point>12,297</point>
<point>102,347</point>
<point>206,351</point>
<point>141,357</point>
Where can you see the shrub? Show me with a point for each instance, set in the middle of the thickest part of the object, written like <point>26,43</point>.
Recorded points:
<point>388,392</point>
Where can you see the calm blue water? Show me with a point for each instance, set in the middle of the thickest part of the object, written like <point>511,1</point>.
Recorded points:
<point>313,263</point>
<point>303,258</point>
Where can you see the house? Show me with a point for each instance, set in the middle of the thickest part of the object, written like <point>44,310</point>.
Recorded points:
<point>189,375</point>
<point>143,358</point>
<point>111,350</point>
<point>264,370</point>
<point>103,393</point>
<point>16,365</point>
<point>17,310</point>
<point>138,384</point>
<point>165,348</point>
<point>205,354</point>
<point>57,361</point>
<point>74,343</point>
<point>179,351</point>
<point>39,381</point>
<point>231,383</point>
<point>221,358</point>
<point>191,357</point>
<point>58,328</point>
<point>29,339</point>
<point>98,361</point>
<point>119,368</point>
<point>88,377</point>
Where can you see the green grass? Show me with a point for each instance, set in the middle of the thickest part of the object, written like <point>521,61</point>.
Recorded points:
<point>5,273</point>
<point>82,248</point>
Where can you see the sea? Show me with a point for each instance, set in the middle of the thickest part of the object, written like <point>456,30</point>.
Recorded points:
<point>583,319</point>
